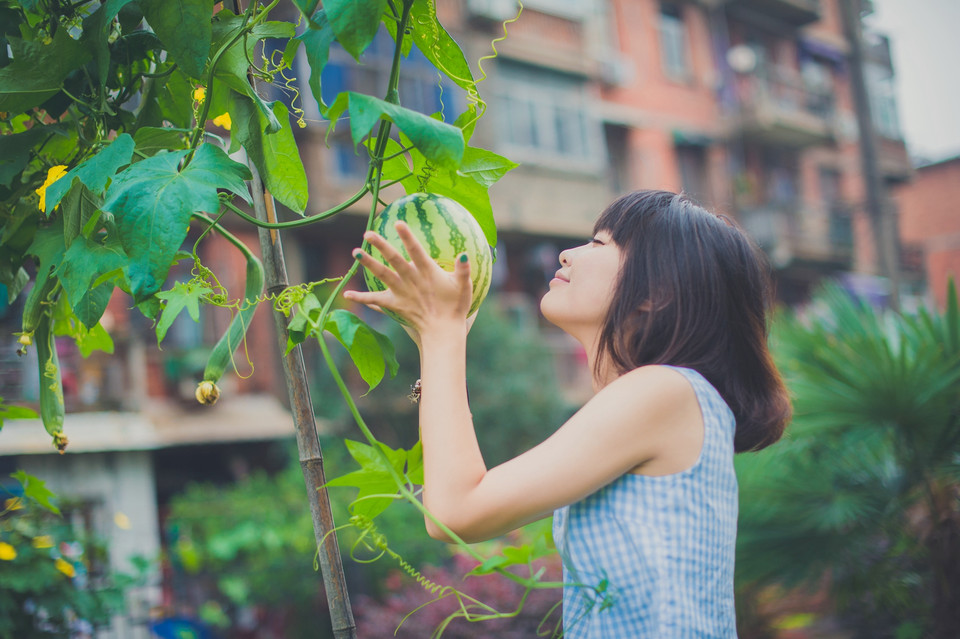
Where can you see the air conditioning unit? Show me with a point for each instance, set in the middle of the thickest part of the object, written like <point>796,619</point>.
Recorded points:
<point>496,10</point>
<point>615,70</point>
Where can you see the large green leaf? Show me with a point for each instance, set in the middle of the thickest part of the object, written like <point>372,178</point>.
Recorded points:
<point>441,143</point>
<point>153,200</point>
<point>183,27</point>
<point>275,155</point>
<point>355,22</point>
<point>38,70</point>
<point>151,140</point>
<point>95,172</point>
<point>316,45</point>
<point>370,350</point>
<point>78,208</point>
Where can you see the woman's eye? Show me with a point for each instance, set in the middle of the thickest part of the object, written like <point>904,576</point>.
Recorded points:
<point>596,241</point>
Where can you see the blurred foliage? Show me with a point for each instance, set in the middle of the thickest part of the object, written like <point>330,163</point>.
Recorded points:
<point>862,496</point>
<point>52,583</point>
<point>252,543</point>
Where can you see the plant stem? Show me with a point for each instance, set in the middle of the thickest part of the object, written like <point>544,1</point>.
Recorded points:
<point>356,197</point>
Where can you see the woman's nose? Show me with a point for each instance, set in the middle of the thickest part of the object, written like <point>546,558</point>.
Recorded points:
<point>565,257</point>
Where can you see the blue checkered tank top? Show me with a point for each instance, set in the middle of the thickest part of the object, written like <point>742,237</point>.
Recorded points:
<point>650,557</point>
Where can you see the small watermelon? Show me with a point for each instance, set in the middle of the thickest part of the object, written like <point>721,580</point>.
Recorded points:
<point>446,230</point>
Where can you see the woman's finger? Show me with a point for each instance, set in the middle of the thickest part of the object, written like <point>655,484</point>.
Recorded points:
<point>418,254</point>
<point>393,257</point>
<point>372,299</point>
<point>381,271</point>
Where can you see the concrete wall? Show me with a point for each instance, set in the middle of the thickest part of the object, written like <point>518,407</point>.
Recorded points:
<point>120,489</point>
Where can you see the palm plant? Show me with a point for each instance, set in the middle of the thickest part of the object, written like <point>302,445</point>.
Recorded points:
<point>863,493</point>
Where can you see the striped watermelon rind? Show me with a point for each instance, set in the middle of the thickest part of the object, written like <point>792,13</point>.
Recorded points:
<point>445,229</point>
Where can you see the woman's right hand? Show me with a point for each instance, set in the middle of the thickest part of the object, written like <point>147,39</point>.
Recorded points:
<point>419,290</point>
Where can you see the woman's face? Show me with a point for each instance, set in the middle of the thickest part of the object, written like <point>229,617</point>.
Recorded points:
<point>583,288</point>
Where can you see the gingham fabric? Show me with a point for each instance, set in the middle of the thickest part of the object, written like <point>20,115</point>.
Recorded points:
<point>652,557</point>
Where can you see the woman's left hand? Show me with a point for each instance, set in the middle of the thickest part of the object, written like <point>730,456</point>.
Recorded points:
<point>419,290</point>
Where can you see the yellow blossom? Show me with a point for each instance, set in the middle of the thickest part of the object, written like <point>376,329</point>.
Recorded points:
<point>14,503</point>
<point>199,94</point>
<point>54,174</point>
<point>65,567</point>
<point>7,552</point>
<point>43,541</point>
<point>122,521</point>
<point>223,121</point>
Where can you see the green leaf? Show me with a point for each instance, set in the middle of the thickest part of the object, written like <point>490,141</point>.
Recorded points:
<point>183,295</point>
<point>8,411</point>
<point>373,478</point>
<point>415,463</point>
<point>88,338</point>
<point>234,63</point>
<point>436,44</point>
<point>484,167</point>
<point>78,208</point>
<point>38,70</point>
<point>275,155</point>
<point>152,201</point>
<point>469,189</point>
<point>85,261</point>
<point>172,97</point>
<point>94,172</point>
<point>307,7</point>
<point>370,350</point>
<point>96,31</point>
<point>48,247</point>
<point>16,150</point>
<point>355,22</point>
<point>441,143</point>
<point>150,140</point>
<point>184,29</point>
<point>91,307</point>
<point>298,329</point>
<point>316,44</point>
<point>36,490</point>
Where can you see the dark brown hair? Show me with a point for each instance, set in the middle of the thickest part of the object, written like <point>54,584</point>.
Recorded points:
<point>694,291</point>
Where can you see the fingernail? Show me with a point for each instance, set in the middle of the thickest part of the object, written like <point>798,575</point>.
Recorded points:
<point>357,255</point>
<point>463,258</point>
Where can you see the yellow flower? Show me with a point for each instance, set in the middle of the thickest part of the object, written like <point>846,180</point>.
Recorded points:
<point>7,552</point>
<point>43,541</point>
<point>199,94</point>
<point>14,503</point>
<point>223,121</point>
<point>65,567</point>
<point>122,521</point>
<point>54,174</point>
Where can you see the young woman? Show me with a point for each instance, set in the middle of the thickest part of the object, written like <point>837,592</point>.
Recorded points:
<point>669,302</point>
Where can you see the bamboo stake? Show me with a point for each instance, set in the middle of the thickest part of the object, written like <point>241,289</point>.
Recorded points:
<point>311,456</point>
<point>301,405</point>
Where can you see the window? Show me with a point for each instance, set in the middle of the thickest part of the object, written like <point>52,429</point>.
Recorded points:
<point>673,42</point>
<point>545,119</point>
<point>817,78</point>
<point>693,172</point>
<point>883,101</point>
<point>420,90</point>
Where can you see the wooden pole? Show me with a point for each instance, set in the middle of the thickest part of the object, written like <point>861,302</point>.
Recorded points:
<point>301,405</point>
<point>880,211</point>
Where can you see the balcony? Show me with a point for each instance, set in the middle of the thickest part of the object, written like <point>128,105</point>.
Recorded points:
<point>893,159</point>
<point>796,13</point>
<point>780,110</point>
<point>792,237</point>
